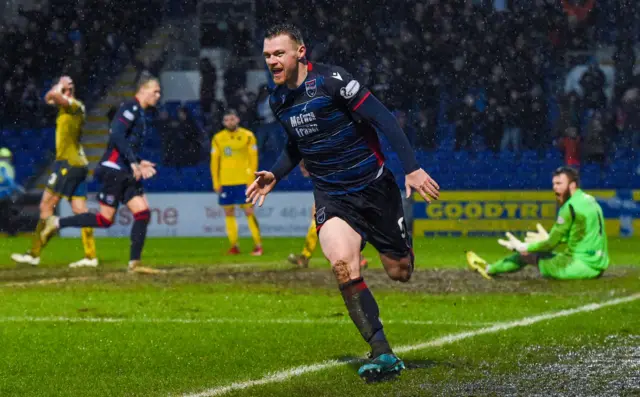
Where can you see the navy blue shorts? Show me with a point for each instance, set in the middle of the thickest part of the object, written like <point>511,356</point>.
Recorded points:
<point>375,213</point>
<point>233,195</point>
<point>118,186</point>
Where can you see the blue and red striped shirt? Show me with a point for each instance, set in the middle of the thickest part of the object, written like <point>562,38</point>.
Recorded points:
<point>331,123</point>
<point>126,136</point>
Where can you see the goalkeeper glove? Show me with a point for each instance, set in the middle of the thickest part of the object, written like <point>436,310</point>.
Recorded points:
<point>536,237</point>
<point>513,244</point>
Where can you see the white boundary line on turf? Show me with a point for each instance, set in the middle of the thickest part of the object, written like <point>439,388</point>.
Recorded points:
<point>116,320</point>
<point>49,281</point>
<point>445,340</point>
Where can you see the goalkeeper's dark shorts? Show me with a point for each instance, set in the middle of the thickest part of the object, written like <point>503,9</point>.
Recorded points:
<point>375,213</point>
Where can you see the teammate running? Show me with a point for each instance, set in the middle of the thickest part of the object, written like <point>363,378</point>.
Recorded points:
<point>580,225</point>
<point>120,172</point>
<point>331,123</point>
<point>234,161</point>
<point>68,179</point>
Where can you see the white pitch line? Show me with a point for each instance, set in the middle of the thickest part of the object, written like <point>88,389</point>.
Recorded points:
<point>116,320</point>
<point>48,281</point>
<point>445,340</point>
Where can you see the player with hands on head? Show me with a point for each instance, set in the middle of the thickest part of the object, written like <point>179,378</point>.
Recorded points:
<point>70,171</point>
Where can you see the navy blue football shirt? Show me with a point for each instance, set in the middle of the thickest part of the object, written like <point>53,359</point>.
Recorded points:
<point>126,136</point>
<point>331,122</point>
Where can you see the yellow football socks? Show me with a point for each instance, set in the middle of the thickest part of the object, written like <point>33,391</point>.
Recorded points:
<point>232,229</point>
<point>89,243</point>
<point>36,243</point>
<point>255,230</point>
<point>311,241</point>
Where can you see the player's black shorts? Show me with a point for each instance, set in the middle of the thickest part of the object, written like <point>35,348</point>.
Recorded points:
<point>68,181</point>
<point>375,213</point>
<point>117,186</point>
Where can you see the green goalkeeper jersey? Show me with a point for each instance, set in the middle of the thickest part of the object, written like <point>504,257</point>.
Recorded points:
<point>580,225</point>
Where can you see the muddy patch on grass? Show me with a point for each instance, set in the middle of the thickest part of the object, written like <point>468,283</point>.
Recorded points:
<point>609,370</point>
<point>436,281</point>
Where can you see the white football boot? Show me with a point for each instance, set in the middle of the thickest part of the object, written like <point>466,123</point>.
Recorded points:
<point>25,259</point>
<point>84,262</point>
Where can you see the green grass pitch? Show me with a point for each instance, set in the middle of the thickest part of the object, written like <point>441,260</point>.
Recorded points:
<point>214,324</point>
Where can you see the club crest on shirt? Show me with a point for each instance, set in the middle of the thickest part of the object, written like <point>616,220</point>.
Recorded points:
<point>311,88</point>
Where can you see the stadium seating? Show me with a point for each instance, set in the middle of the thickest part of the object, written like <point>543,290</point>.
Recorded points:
<point>30,149</point>
<point>461,170</point>
<point>481,169</point>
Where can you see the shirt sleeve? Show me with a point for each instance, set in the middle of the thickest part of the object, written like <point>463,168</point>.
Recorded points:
<point>120,127</point>
<point>75,105</point>
<point>253,156</point>
<point>215,163</point>
<point>288,160</point>
<point>290,156</point>
<point>364,107</point>
<point>558,234</point>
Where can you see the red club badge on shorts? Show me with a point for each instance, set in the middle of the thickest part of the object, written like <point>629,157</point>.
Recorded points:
<point>311,88</point>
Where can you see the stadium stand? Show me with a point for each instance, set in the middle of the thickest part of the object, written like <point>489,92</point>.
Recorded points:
<point>473,93</point>
<point>91,42</point>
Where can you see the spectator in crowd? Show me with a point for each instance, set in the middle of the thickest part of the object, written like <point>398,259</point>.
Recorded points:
<point>268,128</point>
<point>31,112</point>
<point>493,124</point>
<point>631,123</point>
<point>579,9</point>
<point>624,59</point>
<point>241,39</point>
<point>8,190</point>
<point>213,117</point>
<point>183,141</point>
<point>570,114</point>
<point>148,66</point>
<point>536,125</point>
<point>196,145</point>
<point>426,126</point>
<point>77,37</point>
<point>513,122</point>
<point>208,81</point>
<point>595,145</point>
<point>593,82</point>
<point>569,145</point>
<point>234,78</point>
<point>465,116</point>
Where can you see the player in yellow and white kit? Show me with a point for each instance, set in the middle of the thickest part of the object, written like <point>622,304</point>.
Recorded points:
<point>68,179</point>
<point>234,161</point>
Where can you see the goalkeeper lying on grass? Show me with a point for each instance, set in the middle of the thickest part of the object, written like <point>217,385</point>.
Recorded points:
<point>580,225</point>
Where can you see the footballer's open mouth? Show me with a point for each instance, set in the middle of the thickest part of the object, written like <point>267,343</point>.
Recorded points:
<point>277,72</point>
